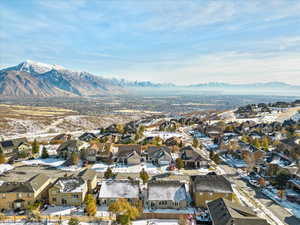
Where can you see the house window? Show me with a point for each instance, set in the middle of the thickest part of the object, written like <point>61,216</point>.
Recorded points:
<point>210,193</point>
<point>19,195</point>
<point>3,196</point>
<point>28,195</point>
<point>75,196</point>
<point>200,193</point>
<point>54,199</point>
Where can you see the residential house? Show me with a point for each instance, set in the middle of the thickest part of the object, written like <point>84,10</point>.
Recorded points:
<point>112,190</point>
<point>87,137</point>
<point>224,212</point>
<point>68,190</point>
<point>20,195</point>
<point>65,149</point>
<point>166,194</point>
<point>99,152</point>
<point>173,141</point>
<point>13,146</point>
<point>60,138</point>
<point>90,177</point>
<point>210,187</point>
<point>158,155</point>
<point>128,154</point>
<point>192,159</point>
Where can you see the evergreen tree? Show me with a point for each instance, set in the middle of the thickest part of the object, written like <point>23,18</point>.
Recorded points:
<point>45,153</point>
<point>35,147</point>
<point>91,206</point>
<point>144,176</point>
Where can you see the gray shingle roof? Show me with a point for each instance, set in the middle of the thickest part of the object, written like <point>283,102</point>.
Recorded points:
<point>31,185</point>
<point>224,212</point>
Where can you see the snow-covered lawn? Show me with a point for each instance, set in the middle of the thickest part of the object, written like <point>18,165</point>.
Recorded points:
<point>237,163</point>
<point>162,134</point>
<point>149,167</point>
<point>100,167</point>
<point>54,162</point>
<point>155,222</point>
<point>60,210</point>
<point>294,208</point>
<point>5,167</point>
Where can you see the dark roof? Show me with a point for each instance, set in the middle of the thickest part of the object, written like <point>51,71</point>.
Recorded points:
<point>157,151</point>
<point>67,144</point>
<point>14,143</point>
<point>86,136</point>
<point>31,185</point>
<point>211,183</point>
<point>132,147</point>
<point>224,212</point>
<point>189,153</point>
<point>58,137</point>
<point>8,187</point>
<point>291,142</point>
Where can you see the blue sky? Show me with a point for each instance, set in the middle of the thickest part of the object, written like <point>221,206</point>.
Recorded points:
<point>162,41</point>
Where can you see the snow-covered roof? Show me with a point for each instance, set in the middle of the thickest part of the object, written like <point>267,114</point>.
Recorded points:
<point>119,189</point>
<point>71,184</point>
<point>166,191</point>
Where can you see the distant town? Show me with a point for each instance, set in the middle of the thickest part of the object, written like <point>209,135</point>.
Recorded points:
<point>220,167</point>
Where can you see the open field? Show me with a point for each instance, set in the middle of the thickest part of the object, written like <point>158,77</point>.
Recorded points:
<point>18,120</point>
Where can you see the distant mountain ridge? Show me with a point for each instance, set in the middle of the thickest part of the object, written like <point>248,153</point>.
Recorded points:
<point>31,78</point>
<point>250,85</point>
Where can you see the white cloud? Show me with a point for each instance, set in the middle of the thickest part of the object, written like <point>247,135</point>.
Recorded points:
<point>227,67</point>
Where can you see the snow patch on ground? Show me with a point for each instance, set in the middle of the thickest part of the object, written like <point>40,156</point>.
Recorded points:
<point>155,222</point>
<point>162,134</point>
<point>149,167</point>
<point>5,167</point>
<point>47,162</point>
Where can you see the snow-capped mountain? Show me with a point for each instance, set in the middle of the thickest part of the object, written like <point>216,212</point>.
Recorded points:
<point>31,78</point>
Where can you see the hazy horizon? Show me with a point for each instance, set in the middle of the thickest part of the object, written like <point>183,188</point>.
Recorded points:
<point>184,43</point>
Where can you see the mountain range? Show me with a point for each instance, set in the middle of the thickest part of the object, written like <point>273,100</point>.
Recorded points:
<point>31,79</point>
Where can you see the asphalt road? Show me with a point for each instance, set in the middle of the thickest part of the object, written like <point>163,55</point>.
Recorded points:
<point>281,213</point>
